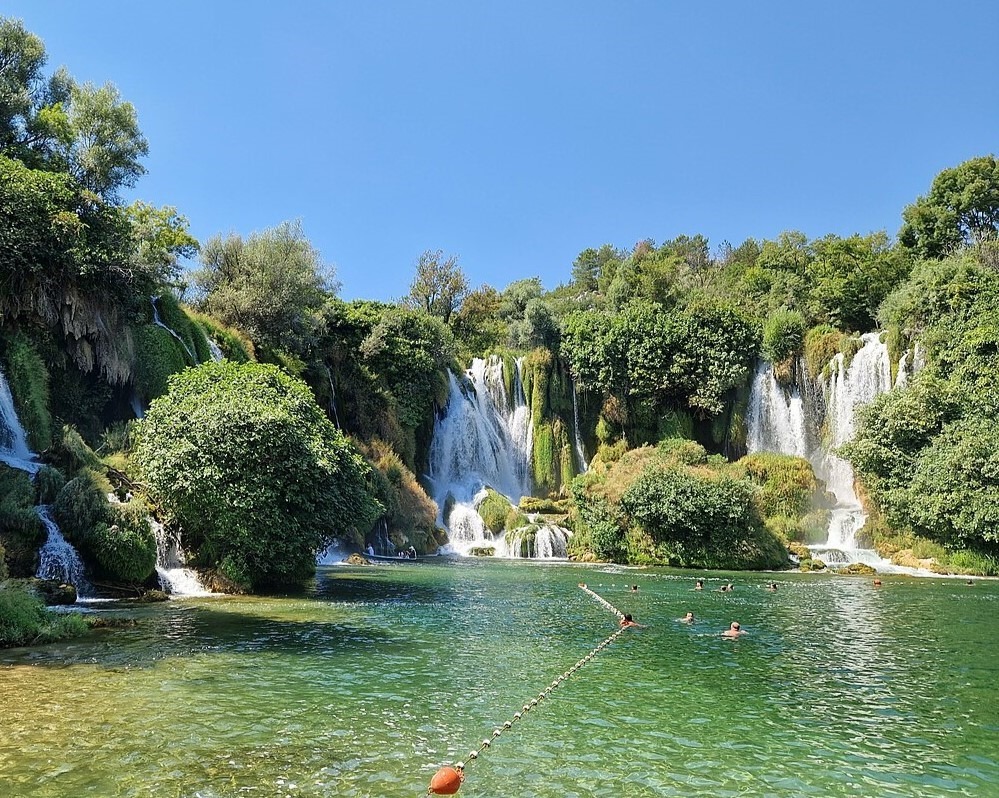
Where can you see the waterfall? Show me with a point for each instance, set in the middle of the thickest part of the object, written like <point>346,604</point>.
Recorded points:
<point>482,439</point>
<point>776,417</point>
<point>216,350</point>
<point>175,578</point>
<point>577,435</point>
<point>58,559</point>
<point>159,323</point>
<point>789,422</point>
<point>14,449</point>
<point>544,542</point>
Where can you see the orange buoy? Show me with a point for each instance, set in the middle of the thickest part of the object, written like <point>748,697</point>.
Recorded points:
<point>446,781</point>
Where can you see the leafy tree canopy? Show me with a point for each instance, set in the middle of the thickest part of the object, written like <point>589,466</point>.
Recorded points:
<point>439,287</point>
<point>56,124</point>
<point>962,207</point>
<point>260,480</point>
<point>271,285</point>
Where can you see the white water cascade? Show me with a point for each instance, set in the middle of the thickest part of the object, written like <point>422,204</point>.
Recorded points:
<point>14,449</point>
<point>790,421</point>
<point>483,440</point>
<point>57,558</point>
<point>175,578</point>
<point>577,435</point>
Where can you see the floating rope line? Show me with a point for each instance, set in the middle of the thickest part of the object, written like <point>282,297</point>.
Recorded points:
<point>448,780</point>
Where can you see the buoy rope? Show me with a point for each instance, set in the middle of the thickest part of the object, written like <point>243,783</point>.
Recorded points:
<point>534,702</point>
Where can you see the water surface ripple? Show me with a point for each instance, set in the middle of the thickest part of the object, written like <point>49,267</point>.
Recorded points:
<point>377,676</point>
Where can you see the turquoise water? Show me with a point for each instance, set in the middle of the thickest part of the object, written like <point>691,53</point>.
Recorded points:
<point>369,683</point>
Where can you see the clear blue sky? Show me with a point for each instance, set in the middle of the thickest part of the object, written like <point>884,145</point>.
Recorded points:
<point>515,134</point>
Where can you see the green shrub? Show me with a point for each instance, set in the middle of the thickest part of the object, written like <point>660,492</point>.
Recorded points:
<point>680,451</point>
<point>25,621</point>
<point>787,484</point>
<point>81,507</point>
<point>125,551</point>
<point>515,519</point>
<point>783,335</point>
<point>158,355</point>
<point>48,482</point>
<point>21,530</point>
<point>74,453</point>
<point>3,562</point>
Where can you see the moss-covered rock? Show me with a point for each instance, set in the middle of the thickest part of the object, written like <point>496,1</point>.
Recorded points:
<point>21,530</point>
<point>493,510</point>
<point>856,569</point>
<point>53,592</point>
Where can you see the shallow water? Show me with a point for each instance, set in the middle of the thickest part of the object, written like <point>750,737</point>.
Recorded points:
<point>369,683</point>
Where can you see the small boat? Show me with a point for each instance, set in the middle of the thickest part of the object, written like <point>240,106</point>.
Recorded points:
<point>403,560</point>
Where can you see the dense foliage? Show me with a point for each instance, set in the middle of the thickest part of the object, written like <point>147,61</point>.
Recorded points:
<point>672,506</point>
<point>242,458</point>
<point>927,452</point>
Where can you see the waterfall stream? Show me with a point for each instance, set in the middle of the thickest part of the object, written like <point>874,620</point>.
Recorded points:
<point>483,440</point>
<point>812,423</point>
<point>57,558</point>
<point>14,449</point>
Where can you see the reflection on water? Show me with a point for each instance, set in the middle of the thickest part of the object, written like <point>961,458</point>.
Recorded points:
<point>364,686</point>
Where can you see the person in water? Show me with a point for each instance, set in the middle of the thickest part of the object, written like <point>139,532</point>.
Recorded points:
<point>634,588</point>
<point>726,588</point>
<point>688,618</point>
<point>627,621</point>
<point>735,630</point>
<point>699,584</point>
<point>772,587</point>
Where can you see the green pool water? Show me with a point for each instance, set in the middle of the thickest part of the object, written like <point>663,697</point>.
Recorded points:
<point>378,676</point>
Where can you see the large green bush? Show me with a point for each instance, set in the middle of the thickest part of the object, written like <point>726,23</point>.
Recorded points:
<point>25,621</point>
<point>242,457</point>
<point>783,335</point>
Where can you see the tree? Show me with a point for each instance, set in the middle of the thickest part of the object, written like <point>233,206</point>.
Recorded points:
<point>161,239</point>
<point>477,326</point>
<point>58,125</point>
<point>439,286</point>
<point>962,207</point>
<point>241,456</point>
<point>270,285</point>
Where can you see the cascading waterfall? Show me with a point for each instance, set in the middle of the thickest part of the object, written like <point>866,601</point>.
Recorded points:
<point>577,435</point>
<point>776,417</point>
<point>216,351</point>
<point>483,440</point>
<point>175,578</point>
<point>58,559</point>
<point>14,449</point>
<point>783,420</point>
<point>159,323</point>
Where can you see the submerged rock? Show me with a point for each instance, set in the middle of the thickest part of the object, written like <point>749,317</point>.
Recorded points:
<point>54,592</point>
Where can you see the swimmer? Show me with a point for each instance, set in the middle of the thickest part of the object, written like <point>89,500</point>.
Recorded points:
<point>634,588</point>
<point>699,584</point>
<point>688,618</point>
<point>734,630</point>
<point>772,587</point>
<point>877,583</point>
<point>726,588</point>
<point>627,621</point>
